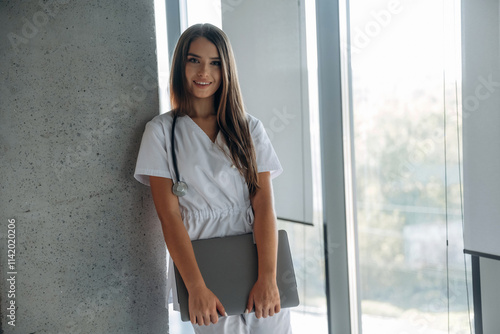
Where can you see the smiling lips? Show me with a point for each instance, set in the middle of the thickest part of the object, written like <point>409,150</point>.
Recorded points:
<point>201,83</point>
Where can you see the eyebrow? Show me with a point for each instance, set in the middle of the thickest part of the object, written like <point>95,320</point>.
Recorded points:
<point>195,55</point>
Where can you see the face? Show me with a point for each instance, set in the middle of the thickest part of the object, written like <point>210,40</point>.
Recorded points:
<point>203,69</point>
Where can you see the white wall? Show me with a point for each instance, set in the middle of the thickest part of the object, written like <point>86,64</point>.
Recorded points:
<point>481,124</point>
<point>490,296</point>
<point>269,45</point>
<point>481,138</point>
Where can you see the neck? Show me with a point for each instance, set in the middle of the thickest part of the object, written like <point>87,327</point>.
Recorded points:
<point>203,108</point>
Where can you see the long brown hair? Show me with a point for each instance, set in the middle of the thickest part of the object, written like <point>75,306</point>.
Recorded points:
<point>231,116</point>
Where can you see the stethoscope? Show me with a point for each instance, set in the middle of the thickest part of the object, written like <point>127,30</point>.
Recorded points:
<point>179,188</point>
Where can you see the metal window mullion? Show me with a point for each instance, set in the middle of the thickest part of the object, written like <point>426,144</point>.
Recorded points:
<point>335,129</point>
<point>173,24</point>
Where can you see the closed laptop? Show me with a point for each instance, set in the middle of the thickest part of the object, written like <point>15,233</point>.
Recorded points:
<point>229,268</point>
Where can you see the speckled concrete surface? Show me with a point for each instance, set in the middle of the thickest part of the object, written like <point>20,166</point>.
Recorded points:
<point>78,83</point>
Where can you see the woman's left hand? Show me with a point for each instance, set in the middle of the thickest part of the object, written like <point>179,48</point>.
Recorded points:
<point>265,297</point>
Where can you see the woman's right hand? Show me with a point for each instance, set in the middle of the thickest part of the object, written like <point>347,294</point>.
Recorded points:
<point>203,306</point>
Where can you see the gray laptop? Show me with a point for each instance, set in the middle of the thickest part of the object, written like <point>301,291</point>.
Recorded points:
<point>229,268</point>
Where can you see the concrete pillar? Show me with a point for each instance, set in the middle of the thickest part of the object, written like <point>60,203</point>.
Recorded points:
<point>78,81</point>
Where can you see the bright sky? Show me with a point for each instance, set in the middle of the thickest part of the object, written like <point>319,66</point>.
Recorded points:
<point>391,44</point>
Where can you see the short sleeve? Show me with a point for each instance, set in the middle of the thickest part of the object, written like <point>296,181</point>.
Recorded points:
<point>152,159</point>
<point>267,159</point>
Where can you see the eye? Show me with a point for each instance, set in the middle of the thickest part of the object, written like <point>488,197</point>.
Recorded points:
<point>216,63</point>
<point>193,60</point>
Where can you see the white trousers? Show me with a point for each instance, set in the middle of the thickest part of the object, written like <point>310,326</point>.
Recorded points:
<point>249,324</point>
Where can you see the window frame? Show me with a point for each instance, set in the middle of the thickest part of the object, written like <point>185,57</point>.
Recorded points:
<point>335,115</point>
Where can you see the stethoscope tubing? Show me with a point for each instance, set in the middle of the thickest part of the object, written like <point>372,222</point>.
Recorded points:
<point>179,187</point>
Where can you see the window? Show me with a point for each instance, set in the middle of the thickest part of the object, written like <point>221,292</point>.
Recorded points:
<point>405,89</point>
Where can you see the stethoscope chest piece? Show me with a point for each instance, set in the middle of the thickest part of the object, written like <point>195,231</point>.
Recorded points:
<point>180,188</point>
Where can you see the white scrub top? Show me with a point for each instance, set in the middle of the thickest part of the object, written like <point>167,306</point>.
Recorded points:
<point>217,202</point>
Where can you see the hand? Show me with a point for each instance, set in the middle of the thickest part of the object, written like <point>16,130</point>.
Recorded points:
<point>203,306</point>
<point>265,297</point>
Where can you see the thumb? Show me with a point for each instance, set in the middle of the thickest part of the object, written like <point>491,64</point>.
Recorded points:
<point>220,308</point>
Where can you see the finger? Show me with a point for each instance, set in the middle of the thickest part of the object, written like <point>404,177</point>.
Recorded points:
<point>271,311</point>
<point>206,319</point>
<point>199,320</point>
<point>214,318</point>
<point>277,308</point>
<point>249,304</point>
<point>258,312</point>
<point>220,308</point>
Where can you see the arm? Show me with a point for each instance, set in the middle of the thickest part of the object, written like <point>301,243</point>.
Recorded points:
<point>203,304</point>
<point>265,294</point>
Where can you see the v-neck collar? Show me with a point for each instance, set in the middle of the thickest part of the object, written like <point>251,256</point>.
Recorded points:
<point>203,133</point>
<point>218,147</point>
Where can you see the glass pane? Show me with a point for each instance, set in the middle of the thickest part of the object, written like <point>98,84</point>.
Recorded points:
<point>405,76</point>
<point>308,259</point>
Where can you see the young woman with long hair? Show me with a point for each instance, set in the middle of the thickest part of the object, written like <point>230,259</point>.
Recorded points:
<point>228,162</point>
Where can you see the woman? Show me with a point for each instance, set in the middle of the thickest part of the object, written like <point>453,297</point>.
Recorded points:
<point>227,160</point>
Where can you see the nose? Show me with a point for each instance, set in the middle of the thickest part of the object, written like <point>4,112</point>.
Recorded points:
<point>203,70</point>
